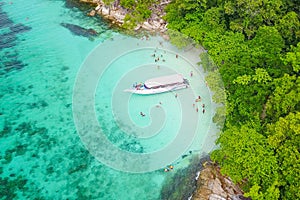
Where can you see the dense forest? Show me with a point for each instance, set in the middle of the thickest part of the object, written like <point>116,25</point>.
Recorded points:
<point>256,46</point>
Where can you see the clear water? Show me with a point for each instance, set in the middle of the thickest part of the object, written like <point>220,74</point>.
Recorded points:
<point>42,153</point>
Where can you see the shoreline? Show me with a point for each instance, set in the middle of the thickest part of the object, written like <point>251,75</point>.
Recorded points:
<point>210,183</point>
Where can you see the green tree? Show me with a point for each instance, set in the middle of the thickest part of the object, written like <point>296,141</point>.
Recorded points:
<point>248,15</point>
<point>292,58</point>
<point>284,137</point>
<point>247,158</point>
<point>248,95</point>
<point>268,45</point>
<point>289,28</point>
<point>130,4</point>
<point>182,13</point>
<point>254,45</point>
<point>285,98</point>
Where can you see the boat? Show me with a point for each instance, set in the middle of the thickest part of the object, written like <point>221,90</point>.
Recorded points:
<point>160,85</point>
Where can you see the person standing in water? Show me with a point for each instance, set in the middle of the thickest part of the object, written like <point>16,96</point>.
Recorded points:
<point>142,114</point>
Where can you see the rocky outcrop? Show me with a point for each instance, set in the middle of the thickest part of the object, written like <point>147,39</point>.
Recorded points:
<point>211,185</point>
<point>116,14</point>
<point>201,180</point>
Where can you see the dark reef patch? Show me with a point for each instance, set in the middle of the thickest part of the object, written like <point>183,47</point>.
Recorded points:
<point>81,160</point>
<point>65,68</point>
<point>6,129</point>
<point>79,4</point>
<point>19,28</point>
<point>5,21</point>
<point>132,146</point>
<point>8,188</point>
<point>31,130</point>
<point>18,150</point>
<point>11,55</point>
<point>80,31</point>
<point>9,40</point>
<point>38,105</point>
<point>13,64</point>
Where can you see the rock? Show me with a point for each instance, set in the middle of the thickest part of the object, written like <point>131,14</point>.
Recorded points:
<point>206,174</point>
<point>227,181</point>
<point>105,11</point>
<point>98,7</point>
<point>111,18</point>
<point>213,186</point>
<point>205,191</point>
<point>119,16</point>
<point>229,190</point>
<point>147,26</point>
<point>92,13</point>
<point>217,188</point>
<point>201,195</point>
<point>116,14</point>
<point>156,25</point>
<point>210,184</point>
<point>89,1</point>
<point>137,27</point>
<point>215,197</point>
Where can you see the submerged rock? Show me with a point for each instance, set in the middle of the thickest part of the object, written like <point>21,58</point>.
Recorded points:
<point>19,28</point>
<point>9,187</point>
<point>80,31</point>
<point>13,64</point>
<point>8,40</point>
<point>82,5</point>
<point>5,21</point>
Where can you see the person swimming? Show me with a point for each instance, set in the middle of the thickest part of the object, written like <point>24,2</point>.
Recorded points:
<point>142,114</point>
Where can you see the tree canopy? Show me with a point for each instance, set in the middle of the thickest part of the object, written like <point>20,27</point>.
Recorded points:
<point>256,45</point>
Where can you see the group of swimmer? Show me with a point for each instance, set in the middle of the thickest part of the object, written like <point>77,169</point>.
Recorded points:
<point>203,105</point>
<point>169,168</point>
<point>158,58</point>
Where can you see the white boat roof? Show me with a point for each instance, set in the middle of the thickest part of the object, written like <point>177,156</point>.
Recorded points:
<point>164,80</point>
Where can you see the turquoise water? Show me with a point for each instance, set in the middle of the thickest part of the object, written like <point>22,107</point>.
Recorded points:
<point>43,155</point>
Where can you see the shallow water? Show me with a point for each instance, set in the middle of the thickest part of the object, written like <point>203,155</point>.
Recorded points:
<point>43,155</point>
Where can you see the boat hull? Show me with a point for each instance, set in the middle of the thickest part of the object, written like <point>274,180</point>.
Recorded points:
<point>145,91</point>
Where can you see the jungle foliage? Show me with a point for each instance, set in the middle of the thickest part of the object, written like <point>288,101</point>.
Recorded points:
<point>256,45</point>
